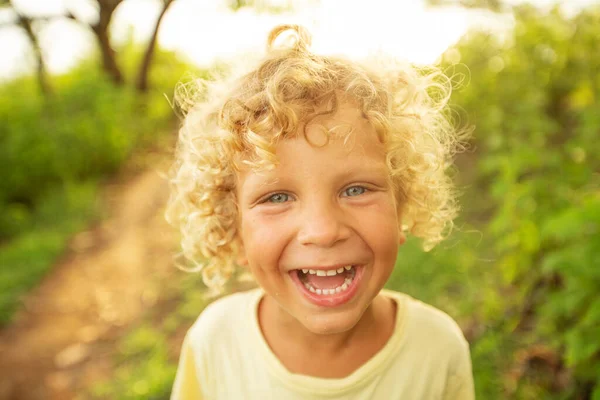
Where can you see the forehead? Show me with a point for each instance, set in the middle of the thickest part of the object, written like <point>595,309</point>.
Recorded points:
<point>345,132</point>
<point>344,141</point>
<point>346,119</point>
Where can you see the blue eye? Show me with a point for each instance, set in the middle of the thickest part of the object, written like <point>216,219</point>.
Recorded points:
<point>278,198</point>
<point>354,191</point>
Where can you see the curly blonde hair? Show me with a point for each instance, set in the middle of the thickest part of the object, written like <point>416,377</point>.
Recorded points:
<point>240,119</point>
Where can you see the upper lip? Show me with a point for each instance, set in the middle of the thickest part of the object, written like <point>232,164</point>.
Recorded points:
<point>324,267</point>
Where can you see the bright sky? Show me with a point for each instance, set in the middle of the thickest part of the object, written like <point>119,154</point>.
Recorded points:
<point>204,30</point>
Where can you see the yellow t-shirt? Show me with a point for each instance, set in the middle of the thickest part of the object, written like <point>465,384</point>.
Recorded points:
<point>225,357</point>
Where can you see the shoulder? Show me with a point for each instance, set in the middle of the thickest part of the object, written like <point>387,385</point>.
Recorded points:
<point>429,318</point>
<point>430,326</point>
<point>219,317</point>
<point>435,342</point>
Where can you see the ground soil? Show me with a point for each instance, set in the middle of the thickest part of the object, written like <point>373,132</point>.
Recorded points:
<point>62,340</point>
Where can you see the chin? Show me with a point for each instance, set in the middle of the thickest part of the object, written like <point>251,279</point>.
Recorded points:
<point>331,324</point>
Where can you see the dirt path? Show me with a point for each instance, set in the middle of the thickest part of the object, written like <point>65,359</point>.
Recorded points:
<point>63,338</point>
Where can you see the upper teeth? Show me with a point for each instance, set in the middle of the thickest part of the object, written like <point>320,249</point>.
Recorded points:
<point>330,272</point>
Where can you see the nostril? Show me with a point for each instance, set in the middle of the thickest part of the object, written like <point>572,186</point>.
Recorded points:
<point>323,233</point>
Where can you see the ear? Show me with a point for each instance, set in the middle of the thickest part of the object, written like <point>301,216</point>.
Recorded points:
<point>402,231</point>
<point>401,238</point>
<point>241,259</point>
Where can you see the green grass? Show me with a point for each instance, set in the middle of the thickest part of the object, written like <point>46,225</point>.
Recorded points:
<point>146,362</point>
<point>143,369</point>
<point>25,259</point>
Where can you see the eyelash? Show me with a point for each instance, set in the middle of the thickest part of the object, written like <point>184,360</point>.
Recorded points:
<point>269,199</point>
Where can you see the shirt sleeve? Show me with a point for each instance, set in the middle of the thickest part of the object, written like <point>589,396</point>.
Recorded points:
<point>187,385</point>
<point>459,385</point>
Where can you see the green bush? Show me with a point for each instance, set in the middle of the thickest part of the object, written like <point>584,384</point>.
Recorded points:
<point>533,191</point>
<point>84,131</point>
<point>55,150</point>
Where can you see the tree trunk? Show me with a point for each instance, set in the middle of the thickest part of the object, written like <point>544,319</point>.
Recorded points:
<point>144,70</point>
<point>42,74</point>
<point>100,29</point>
<point>25,23</point>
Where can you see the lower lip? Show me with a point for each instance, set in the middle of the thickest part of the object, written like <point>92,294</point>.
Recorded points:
<point>330,300</point>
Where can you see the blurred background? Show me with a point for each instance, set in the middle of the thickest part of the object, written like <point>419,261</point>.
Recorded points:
<point>91,304</point>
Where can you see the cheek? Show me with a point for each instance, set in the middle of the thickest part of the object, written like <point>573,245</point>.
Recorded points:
<point>263,238</point>
<point>384,231</point>
<point>386,239</point>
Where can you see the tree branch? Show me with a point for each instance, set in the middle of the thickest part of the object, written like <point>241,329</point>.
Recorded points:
<point>144,70</point>
<point>42,18</point>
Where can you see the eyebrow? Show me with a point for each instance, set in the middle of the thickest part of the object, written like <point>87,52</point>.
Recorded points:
<point>380,169</point>
<point>273,178</point>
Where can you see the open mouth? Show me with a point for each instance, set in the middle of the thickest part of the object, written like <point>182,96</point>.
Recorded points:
<point>327,282</point>
<point>328,287</point>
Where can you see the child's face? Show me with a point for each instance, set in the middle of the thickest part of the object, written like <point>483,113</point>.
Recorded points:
<point>322,209</point>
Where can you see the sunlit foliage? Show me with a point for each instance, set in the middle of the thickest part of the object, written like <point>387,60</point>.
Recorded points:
<point>54,151</point>
<point>525,271</point>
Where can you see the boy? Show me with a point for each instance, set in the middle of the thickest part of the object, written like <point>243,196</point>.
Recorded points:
<point>308,170</point>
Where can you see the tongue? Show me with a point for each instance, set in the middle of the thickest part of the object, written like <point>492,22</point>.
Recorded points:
<point>326,282</point>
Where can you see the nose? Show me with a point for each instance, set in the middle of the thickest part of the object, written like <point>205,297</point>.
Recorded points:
<point>322,224</point>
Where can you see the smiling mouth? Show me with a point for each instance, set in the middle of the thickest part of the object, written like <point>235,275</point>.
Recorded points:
<point>327,282</point>
<point>329,287</point>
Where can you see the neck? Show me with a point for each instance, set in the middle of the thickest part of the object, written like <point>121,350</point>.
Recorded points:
<point>283,332</point>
